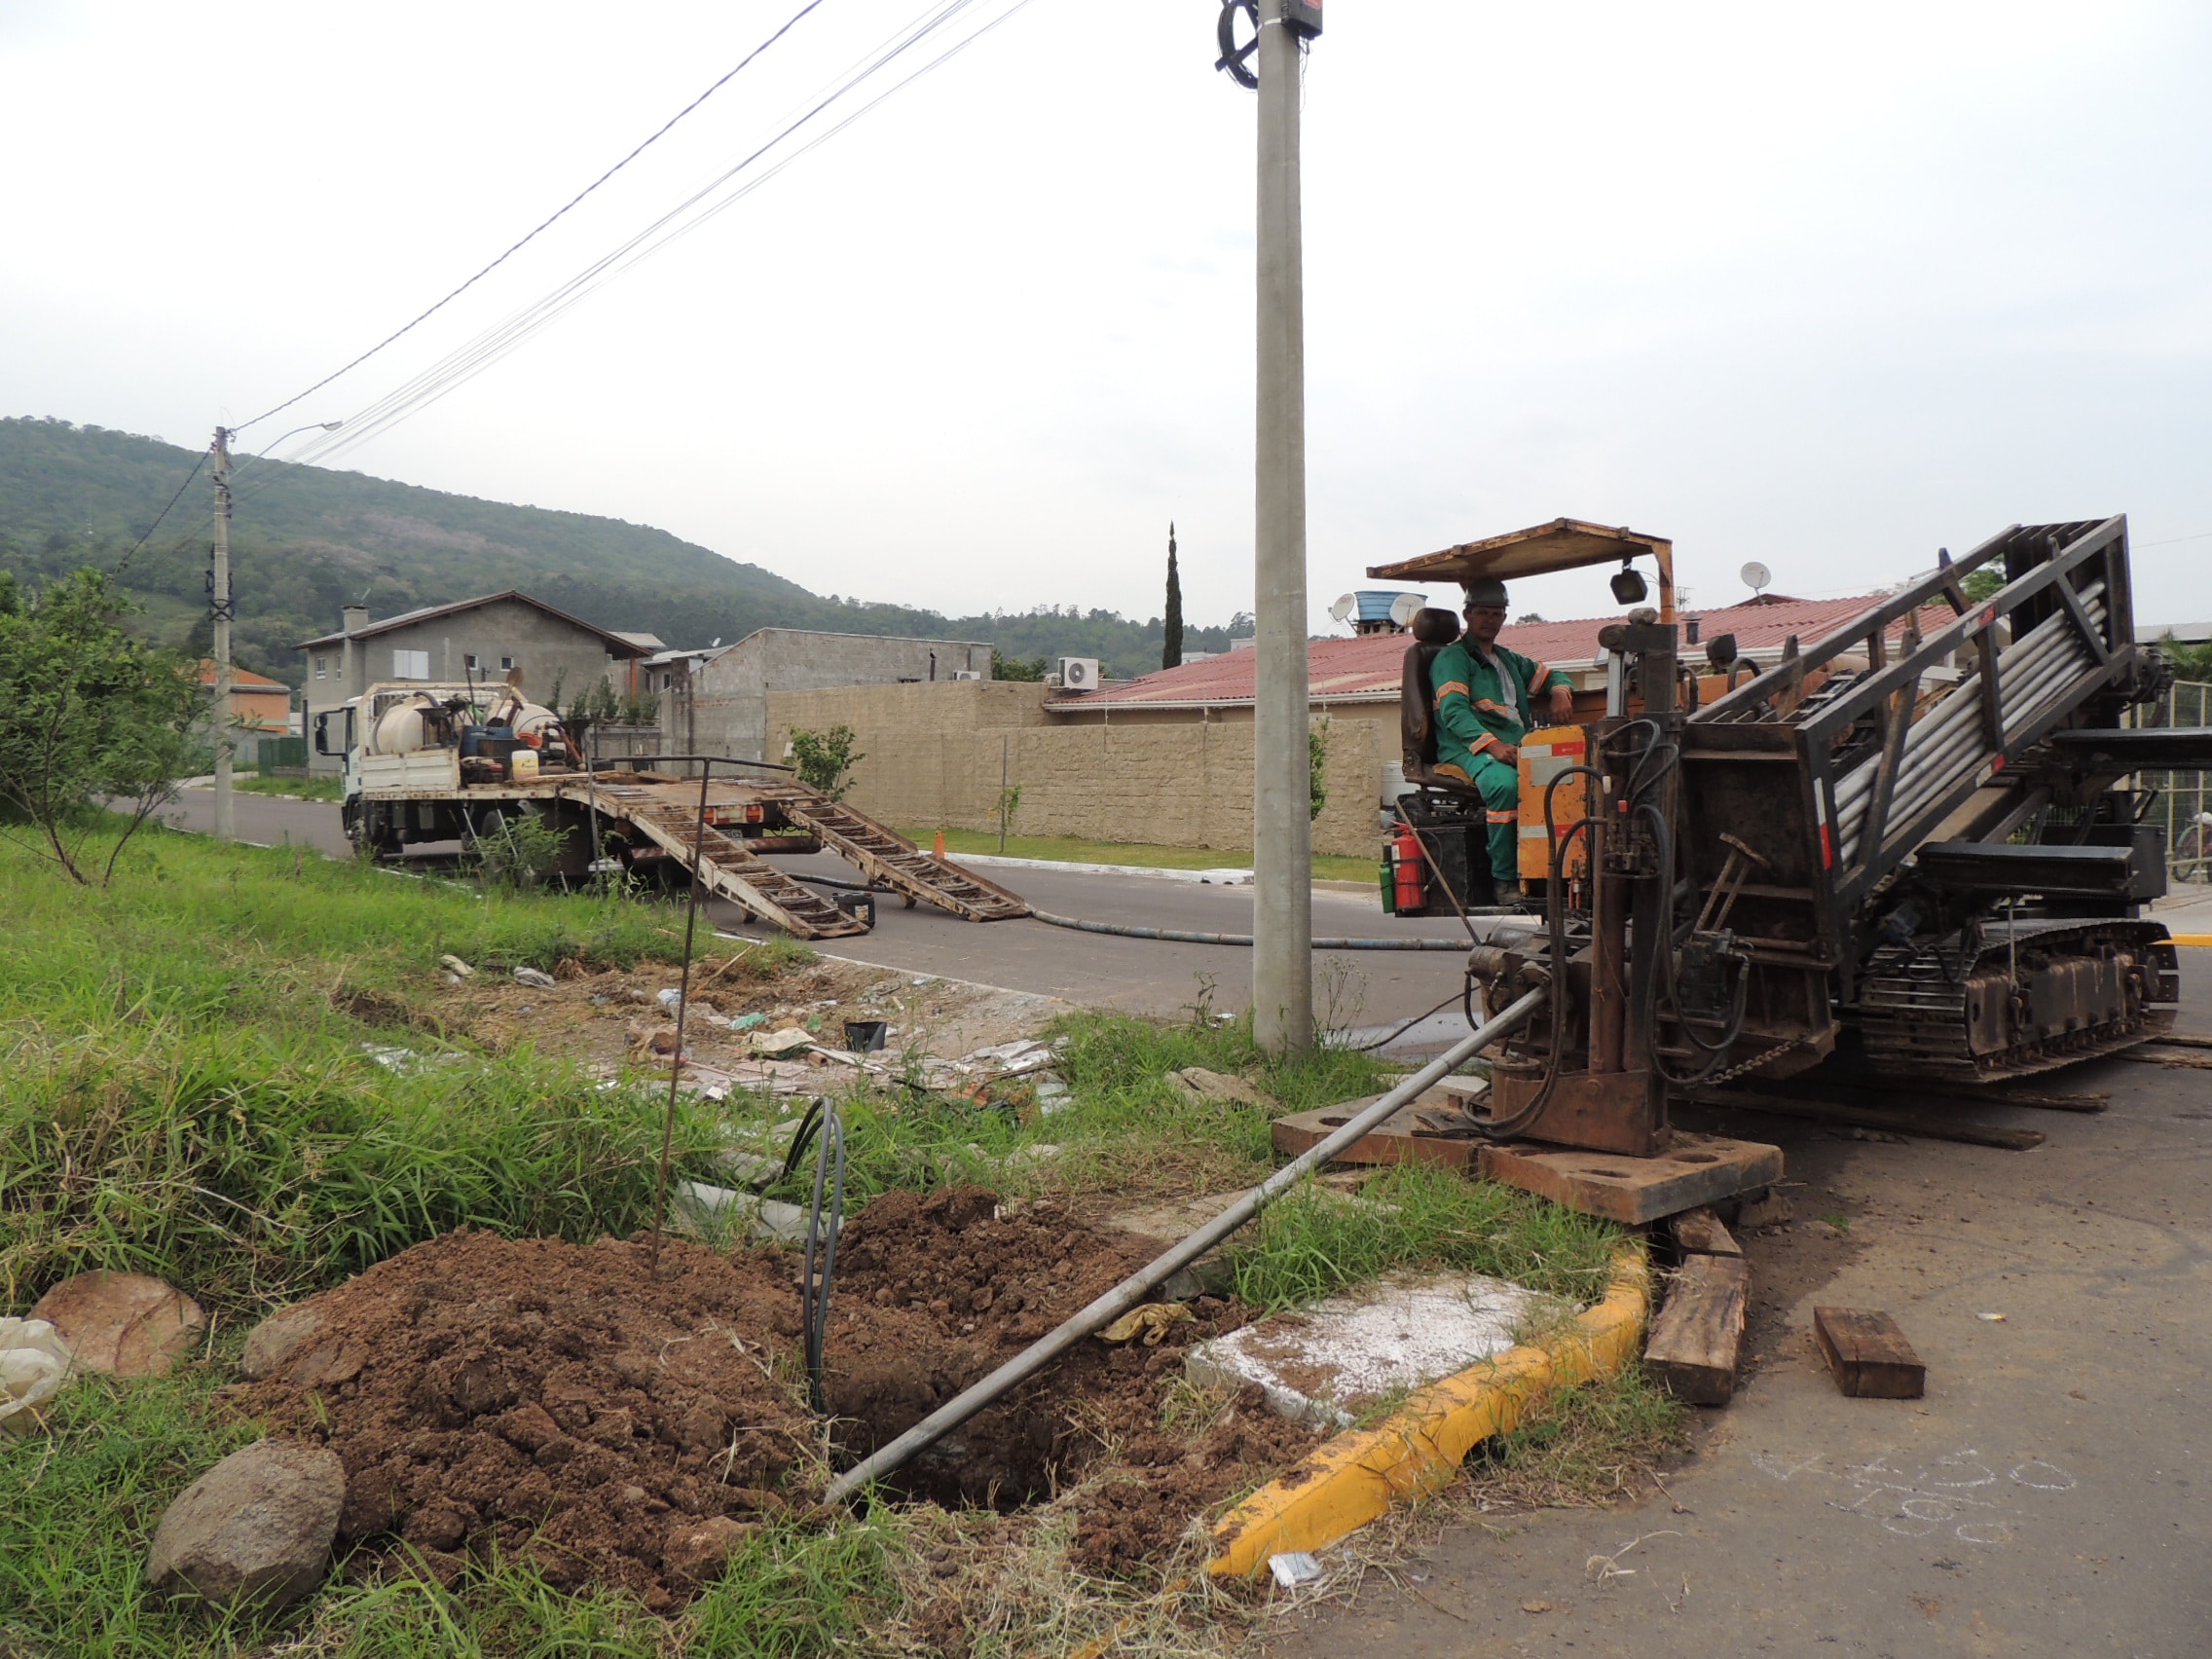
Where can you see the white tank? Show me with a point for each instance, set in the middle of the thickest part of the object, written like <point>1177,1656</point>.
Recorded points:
<point>400,730</point>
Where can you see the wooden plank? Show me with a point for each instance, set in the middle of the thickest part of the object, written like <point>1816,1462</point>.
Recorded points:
<point>1689,1172</point>
<point>1698,1335</point>
<point>1897,1123</point>
<point>2170,1057</point>
<point>1701,1232</point>
<point>1868,1354</point>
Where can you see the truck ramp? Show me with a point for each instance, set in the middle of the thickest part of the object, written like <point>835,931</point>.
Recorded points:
<point>727,866</point>
<point>888,859</point>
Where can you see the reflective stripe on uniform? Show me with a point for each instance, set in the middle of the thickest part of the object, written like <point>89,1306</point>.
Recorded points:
<point>1447,688</point>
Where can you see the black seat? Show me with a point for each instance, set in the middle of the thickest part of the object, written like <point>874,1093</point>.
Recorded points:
<point>1432,631</point>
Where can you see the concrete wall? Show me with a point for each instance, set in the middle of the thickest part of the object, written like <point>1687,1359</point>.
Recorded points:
<point>545,647</point>
<point>719,705</point>
<point>932,758</point>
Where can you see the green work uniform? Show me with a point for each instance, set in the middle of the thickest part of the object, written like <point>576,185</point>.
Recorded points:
<point>1482,704</point>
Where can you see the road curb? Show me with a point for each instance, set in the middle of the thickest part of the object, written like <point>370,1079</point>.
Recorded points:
<point>2192,939</point>
<point>1361,1473</point>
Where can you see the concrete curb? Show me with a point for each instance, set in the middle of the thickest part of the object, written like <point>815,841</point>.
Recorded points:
<point>1359,1474</point>
<point>2194,939</point>
<point>1231,876</point>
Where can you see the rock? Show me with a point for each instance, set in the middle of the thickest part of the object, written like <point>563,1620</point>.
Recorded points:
<point>1218,1088</point>
<point>455,966</point>
<point>256,1528</point>
<point>695,1550</point>
<point>535,980</point>
<point>1770,1210</point>
<point>128,1324</point>
<point>277,1339</point>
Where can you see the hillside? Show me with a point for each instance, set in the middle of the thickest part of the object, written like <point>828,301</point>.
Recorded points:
<point>305,539</point>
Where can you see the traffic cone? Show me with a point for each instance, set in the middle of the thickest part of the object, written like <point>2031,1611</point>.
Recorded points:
<point>940,843</point>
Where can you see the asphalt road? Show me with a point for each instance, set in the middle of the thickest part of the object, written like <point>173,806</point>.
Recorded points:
<point>2043,1499</point>
<point>1368,992</point>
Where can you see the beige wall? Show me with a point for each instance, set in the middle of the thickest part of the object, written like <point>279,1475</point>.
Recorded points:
<point>932,758</point>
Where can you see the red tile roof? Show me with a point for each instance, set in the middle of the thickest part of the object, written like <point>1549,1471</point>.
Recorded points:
<point>1369,669</point>
<point>241,679</point>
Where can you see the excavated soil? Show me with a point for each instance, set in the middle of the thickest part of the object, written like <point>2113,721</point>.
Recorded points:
<point>569,1404</point>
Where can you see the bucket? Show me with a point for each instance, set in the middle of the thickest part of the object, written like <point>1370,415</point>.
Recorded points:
<point>865,1036</point>
<point>860,907</point>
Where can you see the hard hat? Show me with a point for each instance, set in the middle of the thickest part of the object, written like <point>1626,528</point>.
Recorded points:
<point>1487,594</point>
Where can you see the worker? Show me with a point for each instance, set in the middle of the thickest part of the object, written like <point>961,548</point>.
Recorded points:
<point>1486,698</point>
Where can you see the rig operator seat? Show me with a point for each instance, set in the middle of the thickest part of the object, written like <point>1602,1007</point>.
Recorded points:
<point>1432,631</point>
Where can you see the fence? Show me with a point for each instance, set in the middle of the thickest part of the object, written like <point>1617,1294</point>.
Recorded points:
<point>2180,805</point>
<point>282,757</point>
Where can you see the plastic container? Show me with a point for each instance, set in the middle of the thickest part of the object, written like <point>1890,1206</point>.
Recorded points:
<point>522,766</point>
<point>865,1036</point>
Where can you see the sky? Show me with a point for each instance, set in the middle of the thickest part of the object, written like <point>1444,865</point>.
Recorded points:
<point>1826,290</point>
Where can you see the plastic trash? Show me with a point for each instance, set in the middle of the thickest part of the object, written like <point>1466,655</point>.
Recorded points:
<point>34,1363</point>
<point>537,978</point>
<point>1294,1568</point>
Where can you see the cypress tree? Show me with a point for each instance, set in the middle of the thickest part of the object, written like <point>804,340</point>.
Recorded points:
<point>1171,646</point>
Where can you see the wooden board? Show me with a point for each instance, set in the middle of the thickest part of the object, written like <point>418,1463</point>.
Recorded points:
<point>1690,1170</point>
<point>1868,1354</point>
<point>1699,1334</point>
<point>1700,1232</point>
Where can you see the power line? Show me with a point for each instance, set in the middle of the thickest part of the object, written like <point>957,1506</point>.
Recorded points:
<point>791,22</point>
<point>495,342</point>
<point>123,563</point>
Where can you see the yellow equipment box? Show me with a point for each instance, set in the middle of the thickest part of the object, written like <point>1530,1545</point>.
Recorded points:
<point>1545,753</point>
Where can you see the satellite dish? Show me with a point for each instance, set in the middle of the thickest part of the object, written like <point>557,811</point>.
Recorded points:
<point>1345,605</point>
<point>1403,607</point>
<point>1755,575</point>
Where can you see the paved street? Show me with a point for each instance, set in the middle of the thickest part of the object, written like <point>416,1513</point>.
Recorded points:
<point>1370,990</point>
<point>2043,1499</point>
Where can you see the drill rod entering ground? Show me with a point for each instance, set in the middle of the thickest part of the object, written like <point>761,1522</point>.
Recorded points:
<point>1133,1289</point>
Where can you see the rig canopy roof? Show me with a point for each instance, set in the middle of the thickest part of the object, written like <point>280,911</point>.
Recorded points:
<point>1564,544</point>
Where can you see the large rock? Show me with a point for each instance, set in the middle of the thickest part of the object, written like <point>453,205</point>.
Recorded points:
<point>124,1323</point>
<point>1218,1088</point>
<point>296,1343</point>
<point>255,1527</point>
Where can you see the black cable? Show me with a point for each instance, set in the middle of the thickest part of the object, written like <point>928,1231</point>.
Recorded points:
<point>787,26</point>
<point>1380,1042</point>
<point>814,1301</point>
<point>123,563</point>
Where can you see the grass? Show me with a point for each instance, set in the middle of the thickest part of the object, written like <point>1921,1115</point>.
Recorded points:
<point>1070,849</point>
<point>297,788</point>
<point>187,1089</point>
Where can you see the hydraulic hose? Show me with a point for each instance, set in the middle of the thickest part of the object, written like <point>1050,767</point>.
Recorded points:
<point>1139,1285</point>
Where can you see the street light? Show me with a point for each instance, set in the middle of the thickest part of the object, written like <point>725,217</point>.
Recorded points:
<point>219,599</point>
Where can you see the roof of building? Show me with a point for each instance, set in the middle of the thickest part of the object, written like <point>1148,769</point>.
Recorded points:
<point>241,679</point>
<point>624,644</point>
<point>651,641</point>
<point>1369,670</point>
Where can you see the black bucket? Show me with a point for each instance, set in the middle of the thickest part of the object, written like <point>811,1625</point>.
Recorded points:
<point>865,1036</point>
<point>860,907</point>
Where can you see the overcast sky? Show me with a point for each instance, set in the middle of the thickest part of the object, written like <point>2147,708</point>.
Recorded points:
<point>1825,287</point>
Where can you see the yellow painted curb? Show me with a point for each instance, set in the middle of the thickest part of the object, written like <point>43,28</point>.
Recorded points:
<point>2192,939</point>
<point>1361,1473</point>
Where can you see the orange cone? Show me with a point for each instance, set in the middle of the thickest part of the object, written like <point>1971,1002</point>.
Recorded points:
<point>940,843</point>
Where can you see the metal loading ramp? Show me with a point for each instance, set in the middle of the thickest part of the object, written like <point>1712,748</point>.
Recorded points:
<point>890,860</point>
<point>727,866</point>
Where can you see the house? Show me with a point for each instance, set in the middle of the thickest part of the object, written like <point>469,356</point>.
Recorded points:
<point>715,701</point>
<point>260,706</point>
<point>484,639</point>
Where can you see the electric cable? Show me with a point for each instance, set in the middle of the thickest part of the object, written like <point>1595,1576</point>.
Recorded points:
<point>123,564</point>
<point>495,342</point>
<point>1380,1042</point>
<point>791,22</point>
<point>821,1245</point>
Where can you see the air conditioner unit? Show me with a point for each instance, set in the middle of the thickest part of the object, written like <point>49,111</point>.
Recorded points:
<point>1079,674</point>
<point>966,674</point>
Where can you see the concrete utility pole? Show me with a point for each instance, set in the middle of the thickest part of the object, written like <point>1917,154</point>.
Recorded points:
<point>1283,829</point>
<point>219,604</point>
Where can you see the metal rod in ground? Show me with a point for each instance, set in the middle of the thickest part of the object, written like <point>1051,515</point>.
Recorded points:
<point>683,1006</point>
<point>1133,1289</point>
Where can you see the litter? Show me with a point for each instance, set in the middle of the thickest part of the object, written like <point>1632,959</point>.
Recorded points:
<point>1294,1568</point>
<point>34,1363</point>
<point>536,979</point>
<point>455,966</point>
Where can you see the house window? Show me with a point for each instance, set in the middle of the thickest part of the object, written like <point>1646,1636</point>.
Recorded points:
<point>410,665</point>
<point>474,665</point>
<point>506,665</point>
<point>322,667</point>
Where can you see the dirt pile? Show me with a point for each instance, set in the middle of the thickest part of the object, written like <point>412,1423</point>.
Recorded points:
<point>556,1401</point>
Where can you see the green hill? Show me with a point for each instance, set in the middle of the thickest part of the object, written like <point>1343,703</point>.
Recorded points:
<point>305,539</point>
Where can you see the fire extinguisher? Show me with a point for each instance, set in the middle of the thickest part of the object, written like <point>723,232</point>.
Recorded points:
<point>1412,893</point>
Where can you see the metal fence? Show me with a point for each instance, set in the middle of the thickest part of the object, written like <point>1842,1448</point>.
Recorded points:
<point>2182,806</point>
<point>282,757</point>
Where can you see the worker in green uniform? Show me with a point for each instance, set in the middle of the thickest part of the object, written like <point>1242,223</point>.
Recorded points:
<point>1485,700</point>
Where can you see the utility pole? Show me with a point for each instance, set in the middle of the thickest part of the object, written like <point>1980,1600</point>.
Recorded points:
<point>1283,829</point>
<point>219,604</point>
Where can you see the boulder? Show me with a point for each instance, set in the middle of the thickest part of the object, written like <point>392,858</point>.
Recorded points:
<point>127,1324</point>
<point>256,1528</point>
<point>1218,1088</point>
<point>296,1343</point>
<point>695,1550</point>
